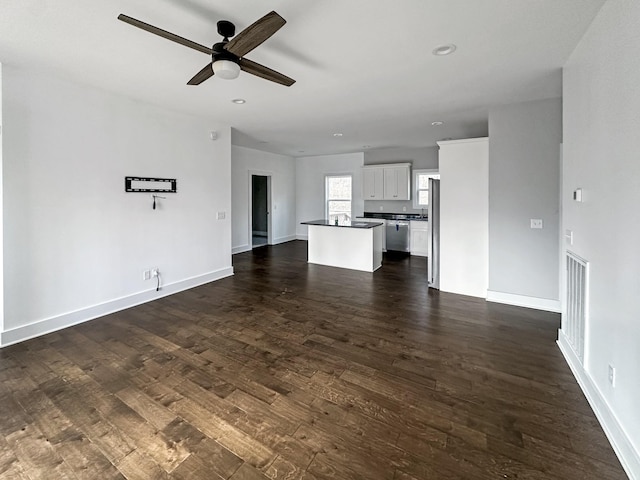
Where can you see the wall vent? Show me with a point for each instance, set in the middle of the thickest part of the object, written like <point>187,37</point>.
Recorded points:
<point>574,319</point>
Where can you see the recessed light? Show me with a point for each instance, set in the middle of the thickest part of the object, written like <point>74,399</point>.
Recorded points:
<point>444,50</point>
<point>238,101</point>
<point>366,146</point>
<point>437,124</point>
<point>337,134</point>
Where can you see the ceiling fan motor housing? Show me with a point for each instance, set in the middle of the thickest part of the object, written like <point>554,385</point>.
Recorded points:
<point>220,53</point>
<point>226,29</point>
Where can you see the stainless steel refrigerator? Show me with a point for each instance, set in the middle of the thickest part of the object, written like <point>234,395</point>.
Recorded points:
<point>433,238</point>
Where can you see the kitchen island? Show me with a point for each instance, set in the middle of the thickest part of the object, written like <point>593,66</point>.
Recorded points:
<point>354,245</point>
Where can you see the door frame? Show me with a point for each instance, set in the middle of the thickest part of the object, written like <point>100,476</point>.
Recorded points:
<point>260,173</point>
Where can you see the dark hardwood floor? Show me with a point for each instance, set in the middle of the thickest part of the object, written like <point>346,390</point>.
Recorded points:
<point>297,371</point>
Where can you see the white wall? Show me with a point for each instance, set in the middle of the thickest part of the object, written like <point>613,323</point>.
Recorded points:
<point>1,223</point>
<point>75,243</point>
<point>464,211</point>
<point>282,169</point>
<point>310,185</point>
<point>524,166</point>
<point>420,158</point>
<point>601,147</point>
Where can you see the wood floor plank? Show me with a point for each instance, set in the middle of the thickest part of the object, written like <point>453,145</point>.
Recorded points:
<point>288,370</point>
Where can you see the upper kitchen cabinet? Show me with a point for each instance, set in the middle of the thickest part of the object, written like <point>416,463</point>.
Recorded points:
<point>387,182</point>
<point>372,183</point>
<point>397,182</point>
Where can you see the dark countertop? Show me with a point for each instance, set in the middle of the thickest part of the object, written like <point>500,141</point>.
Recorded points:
<point>351,224</point>
<point>395,216</point>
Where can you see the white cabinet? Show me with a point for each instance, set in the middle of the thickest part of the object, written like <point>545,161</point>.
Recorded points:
<point>418,238</point>
<point>387,182</point>
<point>397,183</point>
<point>372,183</point>
<point>384,232</point>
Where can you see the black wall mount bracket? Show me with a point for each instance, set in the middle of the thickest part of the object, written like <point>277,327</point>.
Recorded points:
<point>150,184</point>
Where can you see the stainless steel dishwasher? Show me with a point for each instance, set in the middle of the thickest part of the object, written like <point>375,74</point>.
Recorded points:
<point>397,235</point>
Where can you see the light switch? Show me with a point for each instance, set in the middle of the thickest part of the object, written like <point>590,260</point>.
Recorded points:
<point>568,235</point>
<point>536,223</point>
<point>222,215</point>
<point>577,195</point>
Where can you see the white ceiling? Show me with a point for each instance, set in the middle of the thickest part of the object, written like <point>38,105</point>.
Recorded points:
<point>363,67</point>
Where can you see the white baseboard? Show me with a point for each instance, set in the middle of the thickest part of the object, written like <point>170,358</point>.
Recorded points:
<point>524,301</point>
<point>302,237</point>
<point>48,325</point>
<point>240,249</point>
<point>288,238</point>
<point>629,457</point>
<point>248,248</point>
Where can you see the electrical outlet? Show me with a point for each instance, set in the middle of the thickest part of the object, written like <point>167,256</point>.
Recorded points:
<point>381,208</point>
<point>222,215</point>
<point>612,375</point>
<point>404,209</point>
<point>536,223</point>
<point>146,275</point>
<point>155,272</point>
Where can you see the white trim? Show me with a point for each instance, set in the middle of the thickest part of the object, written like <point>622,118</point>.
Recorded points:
<point>259,173</point>
<point>302,237</point>
<point>629,457</point>
<point>414,182</point>
<point>463,140</point>
<point>288,238</point>
<point>242,248</point>
<point>326,193</point>
<point>524,301</point>
<point>52,324</point>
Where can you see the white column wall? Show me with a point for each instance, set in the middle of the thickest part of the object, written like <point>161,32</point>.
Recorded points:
<point>464,216</point>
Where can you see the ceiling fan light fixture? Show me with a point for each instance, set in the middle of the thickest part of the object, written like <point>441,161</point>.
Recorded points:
<point>226,69</point>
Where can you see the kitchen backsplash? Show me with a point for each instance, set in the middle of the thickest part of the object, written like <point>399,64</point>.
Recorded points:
<point>390,206</point>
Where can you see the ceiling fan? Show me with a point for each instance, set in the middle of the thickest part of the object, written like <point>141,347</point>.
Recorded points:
<point>227,56</point>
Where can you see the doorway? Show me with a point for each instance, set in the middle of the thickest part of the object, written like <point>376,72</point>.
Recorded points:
<point>259,222</point>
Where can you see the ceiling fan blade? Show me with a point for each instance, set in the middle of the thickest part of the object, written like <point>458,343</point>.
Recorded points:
<point>201,76</point>
<point>164,34</point>
<point>265,72</point>
<point>255,34</point>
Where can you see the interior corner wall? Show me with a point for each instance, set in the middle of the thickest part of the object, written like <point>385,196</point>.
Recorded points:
<point>420,158</point>
<point>283,194</point>
<point>310,185</point>
<point>600,156</point>
<point>524,169</point>
<point>75,244</point>
<point>1,216</point>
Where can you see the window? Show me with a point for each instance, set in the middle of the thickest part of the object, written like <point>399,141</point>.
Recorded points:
<point>338,195</point>
<point>421,187</point>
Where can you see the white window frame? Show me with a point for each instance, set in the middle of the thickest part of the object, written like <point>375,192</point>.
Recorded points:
<point>326,193</point>
<point>431,172</point>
